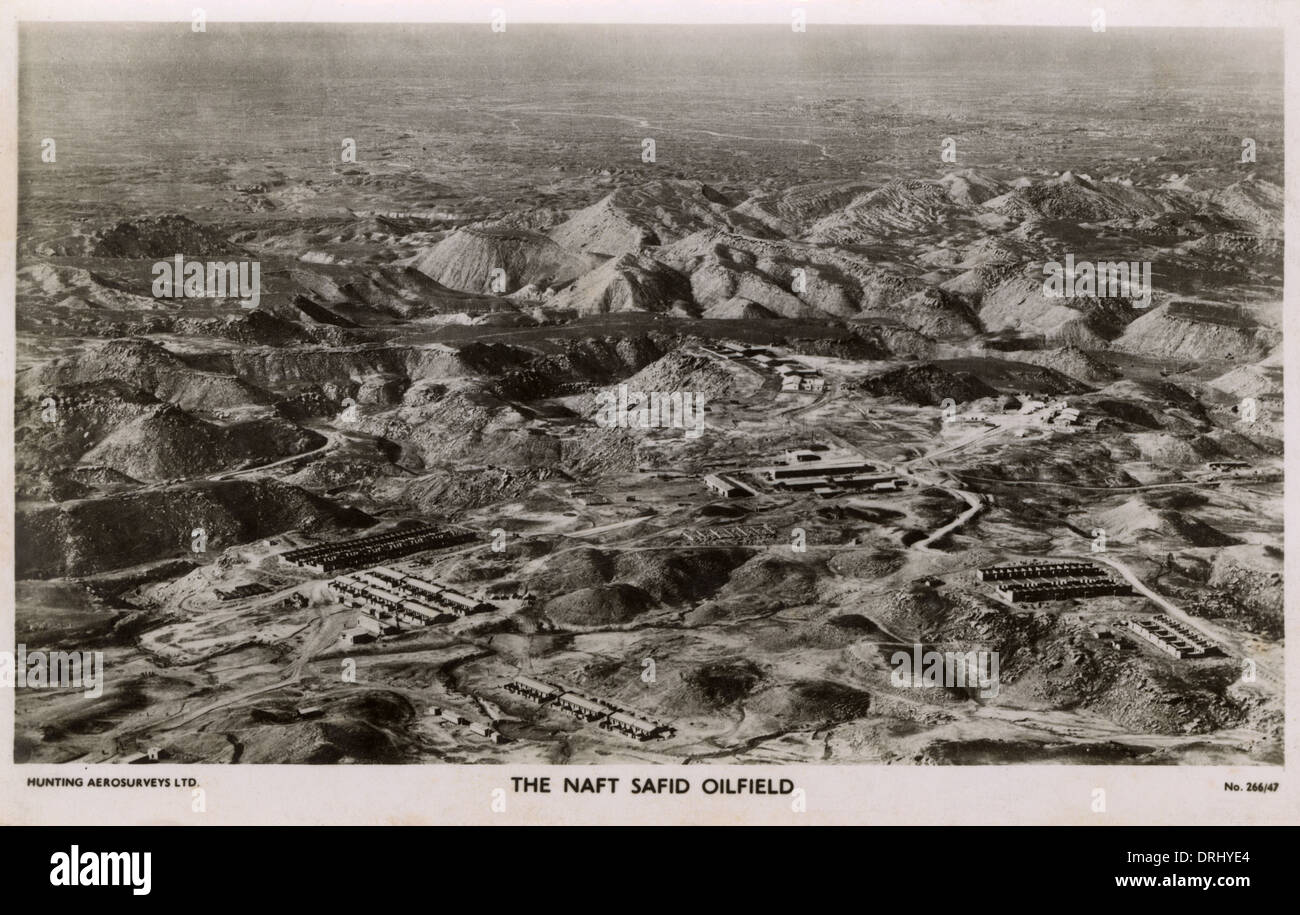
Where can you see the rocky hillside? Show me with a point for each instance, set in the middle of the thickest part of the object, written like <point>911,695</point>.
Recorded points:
<point>95,535</point>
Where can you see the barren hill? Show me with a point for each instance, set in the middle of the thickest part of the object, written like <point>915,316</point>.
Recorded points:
<point>925,384</point>
<point>628,282</point>
<point>649,215</point>
<point>161,237</point>
<point>94,535</point>
<point>465,260</point>
<point>1175,336</point>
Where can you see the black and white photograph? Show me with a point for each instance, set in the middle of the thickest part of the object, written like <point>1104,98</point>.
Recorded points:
<point>665,394</point>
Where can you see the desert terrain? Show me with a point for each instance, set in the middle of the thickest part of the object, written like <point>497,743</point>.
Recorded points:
<point>441,314</point>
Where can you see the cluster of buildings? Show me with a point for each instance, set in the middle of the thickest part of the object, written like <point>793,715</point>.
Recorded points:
<point>1224,466</point>
<point>392,601</point>
<point>795,376</point>
<point>368,551</point>
<point>241,591</point>
<point>1037,582</point>
<point>451,716</point>
<point>1172,637</point>
<point>592,711</point>
<point>827,473</point>
<point>1057,412</point>
<point>747,534</point>
<point>799,378</point>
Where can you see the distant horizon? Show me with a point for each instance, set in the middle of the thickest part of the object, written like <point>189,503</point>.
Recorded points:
<point>108,84</point>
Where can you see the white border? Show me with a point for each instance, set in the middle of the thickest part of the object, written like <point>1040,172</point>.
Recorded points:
<point>1119,13</point>
<point>835,794</point>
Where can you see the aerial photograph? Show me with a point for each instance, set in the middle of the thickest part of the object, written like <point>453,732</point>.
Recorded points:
<point>515,393</point>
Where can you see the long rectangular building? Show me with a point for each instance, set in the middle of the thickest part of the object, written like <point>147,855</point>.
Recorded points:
<point>607,715</point>
<point>1062,589</point>
<point>728,486</point>
<point>1171,637</point>
<point>532,688</point>
<point>633,726</point>
<point>816,468</point>
<point>582,707</point>
<point>839,481</point>
<point>1039,570</point>
<point>372,550</point>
